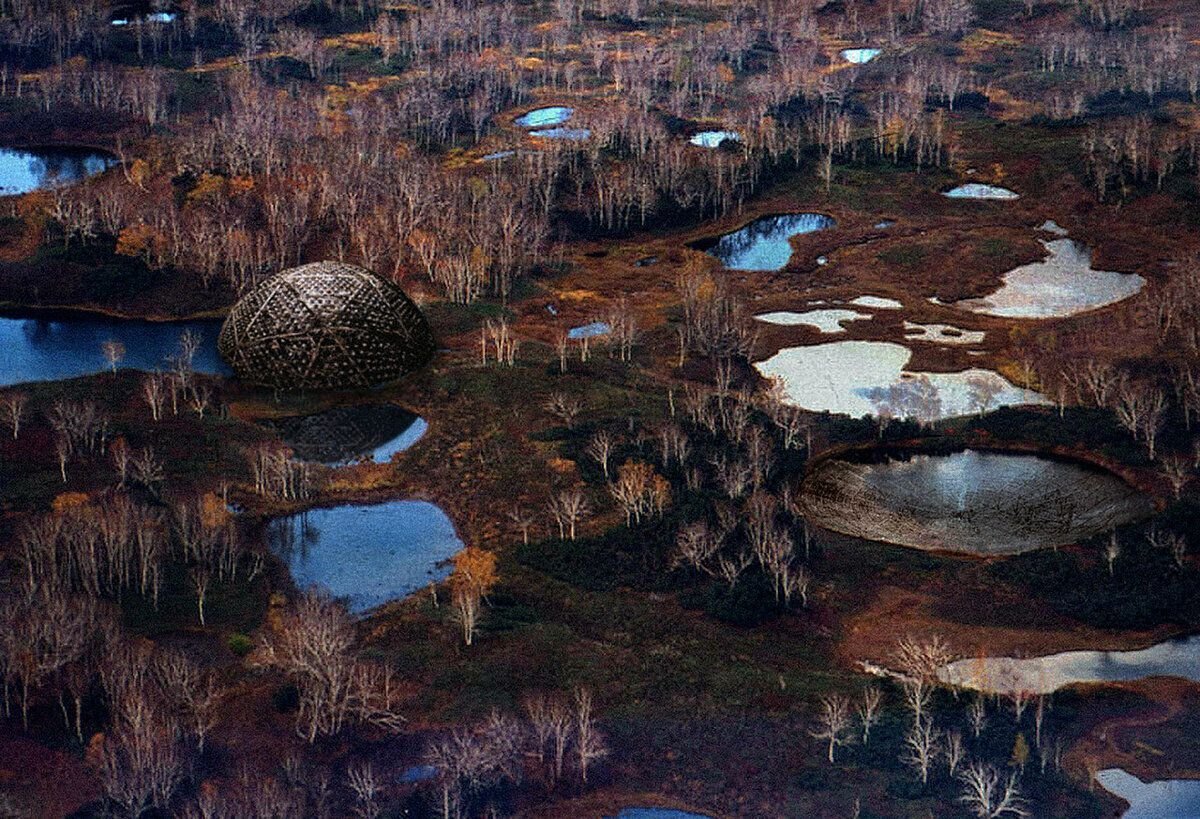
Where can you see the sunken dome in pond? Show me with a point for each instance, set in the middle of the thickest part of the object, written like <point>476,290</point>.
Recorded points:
<point>326,325</point>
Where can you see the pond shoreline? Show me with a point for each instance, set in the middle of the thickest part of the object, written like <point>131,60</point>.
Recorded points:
<point>956,442</point>
<point>55,312</point>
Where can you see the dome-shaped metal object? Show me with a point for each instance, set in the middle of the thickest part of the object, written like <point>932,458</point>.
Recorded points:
<point>326,325</point>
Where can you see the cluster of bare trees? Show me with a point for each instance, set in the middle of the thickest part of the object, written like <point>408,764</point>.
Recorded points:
<point>474,765</point>
<point>984,788</point>
<point>113,545</point>
<point>1120,154</point>
<point>56,646</point>
<point>277,474</point>
<point>1139,404</point>
<point>715,320</point>
<point>313,646</point>
<point>162,707</point>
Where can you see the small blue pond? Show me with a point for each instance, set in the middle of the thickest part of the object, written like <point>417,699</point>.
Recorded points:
<point>367,554</point>
<point>764,244</point>
<point>545,117</point>
<point>53,349</point>
<point>22,171</point>
<point>596,328</point>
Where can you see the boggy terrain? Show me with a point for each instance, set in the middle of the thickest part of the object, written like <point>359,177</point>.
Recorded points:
<point>642,613</point>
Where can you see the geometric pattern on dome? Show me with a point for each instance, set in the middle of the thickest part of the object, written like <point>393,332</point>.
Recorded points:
<point>325,325</point>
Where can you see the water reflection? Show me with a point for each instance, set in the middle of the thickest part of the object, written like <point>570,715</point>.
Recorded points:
<point>367,554</point>
<point>345,434</point>
<point>764,243</point>
<point>49,350</point>
<point>974,502</point>
<point>545,117</point>
<point>22,171</point>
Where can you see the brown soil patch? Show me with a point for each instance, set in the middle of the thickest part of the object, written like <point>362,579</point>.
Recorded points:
<point>871,634</point>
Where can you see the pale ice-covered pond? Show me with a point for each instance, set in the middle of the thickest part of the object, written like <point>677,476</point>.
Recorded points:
<point>657,813</point>
<point>367,554</point>
<point>713,139</point>
<point>980,503</point>
<point>942,334</point>
<point>977,190</point>
<point>827,320</point>
<point>22,171</point>
<point>569,134</point>
<point>1043,675</point>
<point>764,243</point>
<point>878,302</point>
<point>592,330</point>
<point>157,18</point>
<point>860,378</point>
<point>545,117</point>
<point>343,435</point>
<point>1062,284</point>
<point>1164,799</point>
<point>858,56</point>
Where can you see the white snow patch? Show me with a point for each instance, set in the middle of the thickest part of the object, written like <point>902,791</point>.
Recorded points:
<point>976,190</point>
<point>860,378</point>
<point>827,321</point>
<point>942,334</point>
<point>878,302</point>
<point>1062,284</point>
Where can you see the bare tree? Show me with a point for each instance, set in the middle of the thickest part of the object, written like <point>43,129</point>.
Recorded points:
<point>600,447</point>
<point>695,545</point>
<point>986,796</point>
<point>568,507</point>
<point>522,520</point>
<point>953,751</point>
<point>12,404</point>
<point>366,788</point>
<point>868,709</point>
<point>201,577</point>
<point>154,392</point>
<point>922,659</point>
<point>589,744</point>
<point>977,715</point>
<point>920,747</point>
<point>1177,469</point>
<point>1112,550</point>
<point>199,399</point>
<point>563,407</point>
<point>313,647</point>
<point>833,723</point>
<point>62,448</point>
<point>114,353</point>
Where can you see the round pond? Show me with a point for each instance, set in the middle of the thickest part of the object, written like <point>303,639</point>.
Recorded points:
<point>367,554</point>
<point>979,503</point>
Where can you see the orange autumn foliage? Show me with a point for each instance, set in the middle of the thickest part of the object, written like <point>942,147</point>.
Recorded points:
<point>474,572</point>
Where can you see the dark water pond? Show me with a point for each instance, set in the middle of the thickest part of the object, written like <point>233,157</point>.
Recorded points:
<point>367,554</point>
<point>345,434</point>
<point>36,349</point>
<point>764,243</point>
<point>658,813</point>
<point>980,503</point>
<point>24,170</point>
